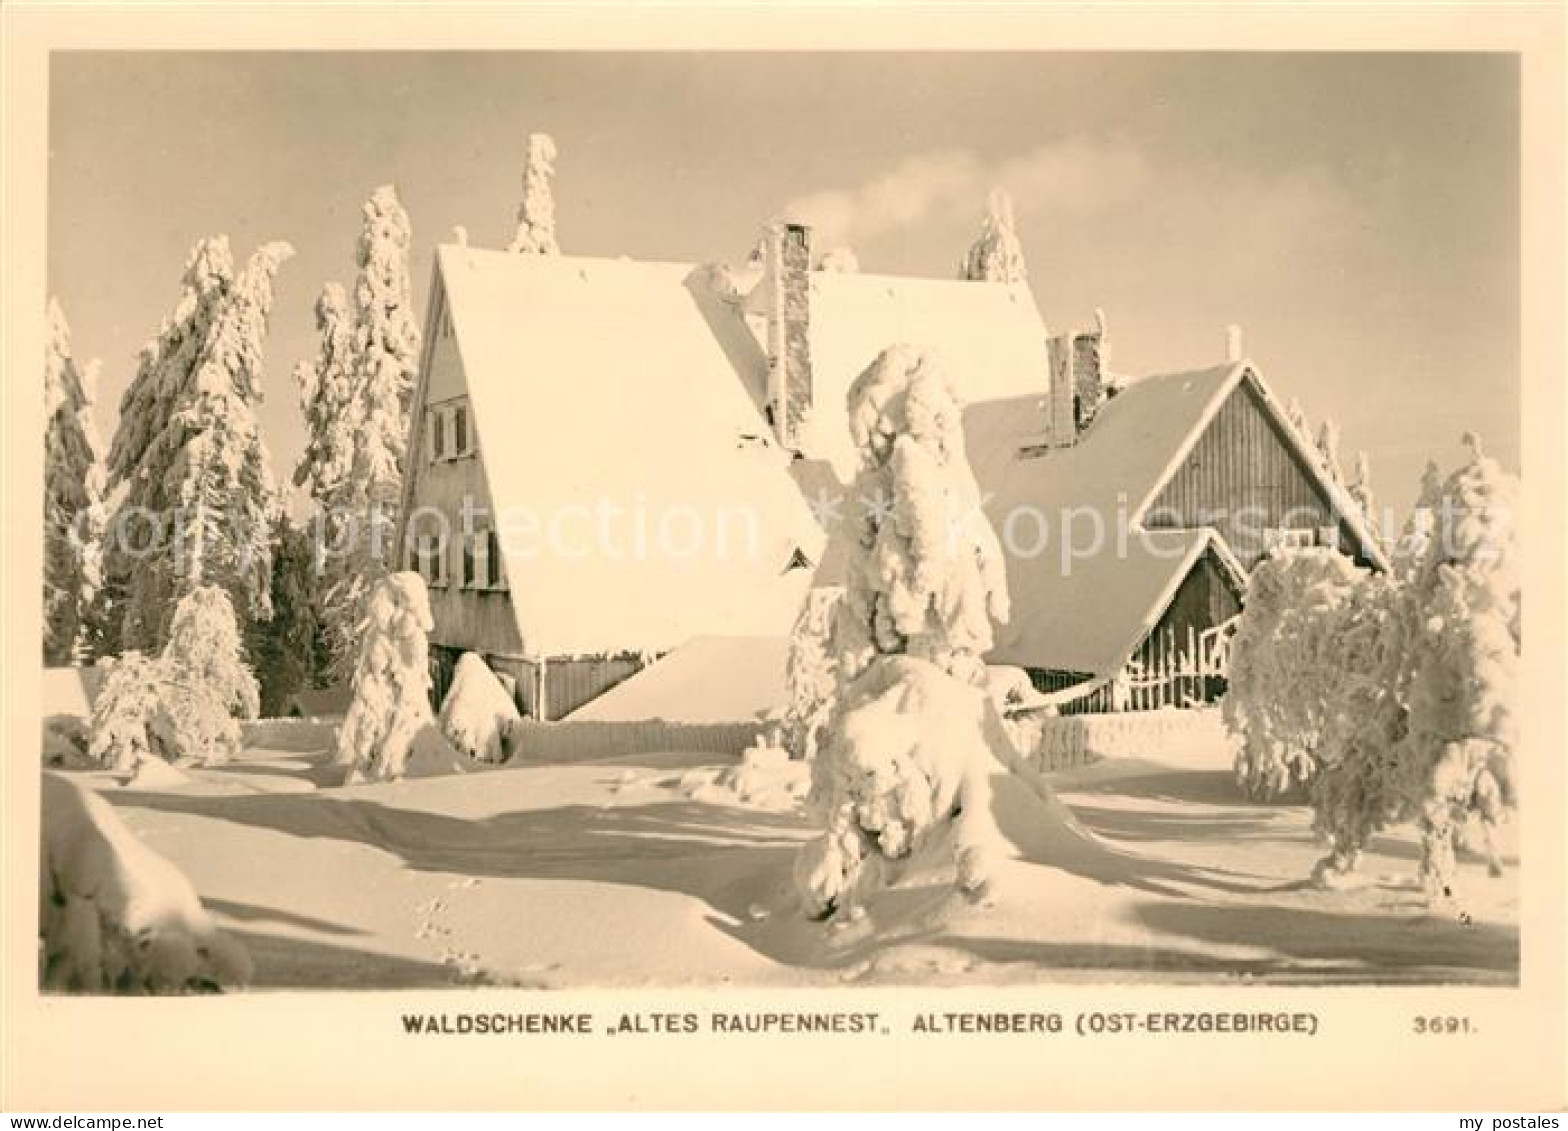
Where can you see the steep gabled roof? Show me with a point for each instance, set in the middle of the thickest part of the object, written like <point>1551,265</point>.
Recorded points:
<point>1135,445</point>
<point>641,384</point>
<point>1088,614</point>
<point>600,383</point>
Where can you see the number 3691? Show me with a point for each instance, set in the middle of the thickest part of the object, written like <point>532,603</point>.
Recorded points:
<point>1440,1026</point>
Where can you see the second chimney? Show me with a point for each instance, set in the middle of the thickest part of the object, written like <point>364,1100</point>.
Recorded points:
<point>787,283</point>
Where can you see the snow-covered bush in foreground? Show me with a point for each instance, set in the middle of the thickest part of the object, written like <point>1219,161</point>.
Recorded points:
<point>1392,696</point>
<point>905,754</point>
<point>391,705</point>
<point>123,713</point>
<point>477,711</point>
<point>114,916</point>
<point>1286,675</point>
<point>184,705</point>
<point>1464,665</point>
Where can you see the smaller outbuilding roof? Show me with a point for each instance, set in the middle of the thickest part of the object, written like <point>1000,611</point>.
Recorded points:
<point>1088,614</point>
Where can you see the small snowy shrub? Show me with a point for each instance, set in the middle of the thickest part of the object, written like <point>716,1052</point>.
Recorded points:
<point>478,711</point>
<point>390,704</point>
<point>904,756</point>
<point>114,916</point>
<point>123,714</point>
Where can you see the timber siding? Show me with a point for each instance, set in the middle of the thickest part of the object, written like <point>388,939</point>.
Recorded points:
<point>1243,476</point>
<point>466,619</point>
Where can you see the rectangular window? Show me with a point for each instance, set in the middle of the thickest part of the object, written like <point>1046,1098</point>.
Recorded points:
<point>1288,539</point>
<point>432,560</point>
<point>460,430</point>
<point>497,565</point>
<point>469,577</point>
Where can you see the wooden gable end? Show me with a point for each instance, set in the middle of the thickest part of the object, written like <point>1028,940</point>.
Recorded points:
<point>442,481</point>
<point>1244,477</point>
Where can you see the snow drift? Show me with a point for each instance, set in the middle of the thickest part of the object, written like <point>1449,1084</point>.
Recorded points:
<point>114,916</point>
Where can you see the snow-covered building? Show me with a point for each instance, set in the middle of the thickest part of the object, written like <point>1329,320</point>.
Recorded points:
<point>1132,532</point>
<point>651,452</point>
<point>609,458</point>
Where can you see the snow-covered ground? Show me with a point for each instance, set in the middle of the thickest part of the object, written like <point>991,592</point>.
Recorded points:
<point>668,869</point>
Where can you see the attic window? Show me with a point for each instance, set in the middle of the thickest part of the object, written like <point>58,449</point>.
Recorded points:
<point>460,430</point>
<point>797,560</point>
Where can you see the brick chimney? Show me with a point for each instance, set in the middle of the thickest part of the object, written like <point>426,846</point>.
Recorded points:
<point>1077,387</point>
<point>783,298</point>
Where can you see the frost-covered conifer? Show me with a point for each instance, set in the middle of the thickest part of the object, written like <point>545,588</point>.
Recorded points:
<point>1298,418</point>
<point>536,214</point>
<point>114,916</point>
<point>357,399</point>
<point>1411,548</point>
<point>289,649</point>
<point>391,691</point>
<point>73,500</point>
<point>907,754</point>
<point>128,701</point>
<point>198,490</point>
<point>205,650</point>
<point>326,400</point>
<point>996,255</point>
<point>810,673</point>
<point>1463,663</point>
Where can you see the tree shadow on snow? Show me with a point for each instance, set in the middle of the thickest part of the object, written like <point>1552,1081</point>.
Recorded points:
<point>1368,942</point>
<point>692,848</point>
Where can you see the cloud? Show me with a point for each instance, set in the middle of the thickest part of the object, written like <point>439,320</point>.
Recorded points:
<point>1074,176</point>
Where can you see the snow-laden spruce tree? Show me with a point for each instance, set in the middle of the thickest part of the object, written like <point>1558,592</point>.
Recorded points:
<point>1463,665</point>
<point>386,363</point>
<point>114,916</point>
<point>326,400</point>
<point>477,711</point>
<point>1328,450</point>
<point>1298,418</point>
<point>73,500</point>
<point>391,689</point>
<point>210,686</point>
<point>1410,550</point>
<point>906,757</point>
<point>996,255</point>
<point>810,673</point>
<point>536,214</point>
<point>289,649</point>
<point>1360,491</point>
<point>199,497</point>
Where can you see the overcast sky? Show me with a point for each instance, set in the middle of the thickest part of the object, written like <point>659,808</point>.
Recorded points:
<point>1357,214</point>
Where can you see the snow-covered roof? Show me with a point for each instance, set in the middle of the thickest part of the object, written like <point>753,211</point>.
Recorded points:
<point>988,336</point>
<point>712,679</point>
<point>642,385</point>
<point>1138,440</point>
<point>1088,614</point>
<point>601,383</point>
<point>1117,465</point>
